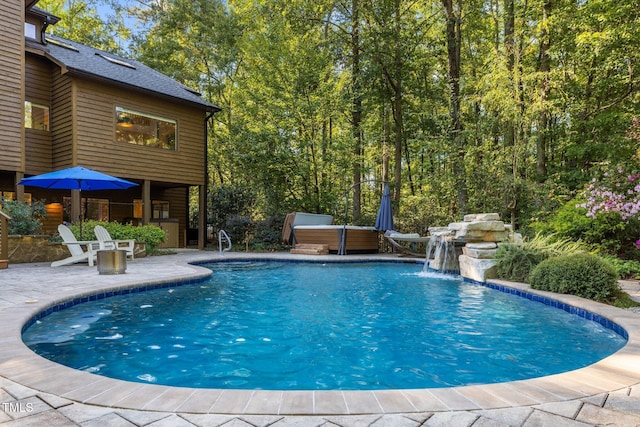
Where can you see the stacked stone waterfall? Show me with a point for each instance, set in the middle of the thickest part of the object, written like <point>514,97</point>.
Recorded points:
<point>478,235</point>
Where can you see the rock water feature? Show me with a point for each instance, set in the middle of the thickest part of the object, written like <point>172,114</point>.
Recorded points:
<point>468,247</point>
<point>441,254</point>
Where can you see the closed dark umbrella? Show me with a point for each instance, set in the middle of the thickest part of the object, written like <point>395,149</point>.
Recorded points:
<point>384,220</point>
<point>77,178</point>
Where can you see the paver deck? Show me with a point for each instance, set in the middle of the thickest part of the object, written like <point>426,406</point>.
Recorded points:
<point>36,391</point>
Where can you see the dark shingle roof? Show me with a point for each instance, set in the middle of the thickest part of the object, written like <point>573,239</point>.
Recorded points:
<point>86,60</point>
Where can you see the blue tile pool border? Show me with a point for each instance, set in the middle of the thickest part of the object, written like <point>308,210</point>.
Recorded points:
<point>607,323</point>
<point>309,261</point>
<point>107,293</point>
<point>580,312</point>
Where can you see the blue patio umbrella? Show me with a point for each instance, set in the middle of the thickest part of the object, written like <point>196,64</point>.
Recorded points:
<point>77,178</point>
<point>384,220</point>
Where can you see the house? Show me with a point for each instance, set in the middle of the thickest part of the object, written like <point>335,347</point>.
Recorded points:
<point>65,104</point>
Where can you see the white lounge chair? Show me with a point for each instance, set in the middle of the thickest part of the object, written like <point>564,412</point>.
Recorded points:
<point>78,254</point>
<point>394,238</point>
<point>107,243</point>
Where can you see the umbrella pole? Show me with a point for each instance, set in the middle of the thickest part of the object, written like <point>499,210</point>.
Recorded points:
<point>83,209</point>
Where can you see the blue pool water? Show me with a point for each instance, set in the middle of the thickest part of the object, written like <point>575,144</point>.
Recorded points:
<point>310,326</point>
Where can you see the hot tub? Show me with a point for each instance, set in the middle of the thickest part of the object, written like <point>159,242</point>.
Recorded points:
<point>357,240</point>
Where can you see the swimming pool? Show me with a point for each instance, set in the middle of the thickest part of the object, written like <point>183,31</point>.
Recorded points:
<point>382,351</point>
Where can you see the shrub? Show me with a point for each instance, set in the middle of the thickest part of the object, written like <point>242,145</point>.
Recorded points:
<point>25,219</point>
<point>239,228</point>
<point>626,269</point>
<point>225,202</point>
<point>584,275</point>
<point>151,235</point>
<point>515,262</point>
<point>267,234</point>
<point>605,233</point>
<point>552,245</point>
<point>606,215</point>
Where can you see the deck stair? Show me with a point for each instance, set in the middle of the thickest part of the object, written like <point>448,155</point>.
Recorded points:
<point>310,249</point>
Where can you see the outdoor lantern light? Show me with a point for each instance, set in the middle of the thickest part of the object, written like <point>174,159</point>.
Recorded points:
<point>124,120</point>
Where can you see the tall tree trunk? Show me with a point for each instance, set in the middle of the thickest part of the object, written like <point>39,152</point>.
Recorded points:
<point>509,51</point>
<point>356,115</point>
<point>385,142</point>
<point>545,67</point>
<point>398,101</point>
<point>453,11</point>
<point>510,126</point>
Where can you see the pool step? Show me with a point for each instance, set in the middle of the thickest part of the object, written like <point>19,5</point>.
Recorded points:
<point>310,249</point>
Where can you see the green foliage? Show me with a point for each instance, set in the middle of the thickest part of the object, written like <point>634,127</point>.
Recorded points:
<point>25,219</point>
<point>81,21</point>
<point>414,218</point>
<point>626,269</point>
<point>606,234</point>
<point>553,245</point>
<point>584,275</point>
<point>622,299</point>
<point>267,234</point>
<point>151,235</point>
<point>309,106</point>
<point>515,262</point>
<point>228,202</point>
<point>238,228</point>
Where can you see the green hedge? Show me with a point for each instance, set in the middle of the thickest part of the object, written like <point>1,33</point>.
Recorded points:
<point>515,262</point>
<point>584,275</point>
<point>151,235</point>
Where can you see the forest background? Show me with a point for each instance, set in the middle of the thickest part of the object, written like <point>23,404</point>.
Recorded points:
<point>527,108</point>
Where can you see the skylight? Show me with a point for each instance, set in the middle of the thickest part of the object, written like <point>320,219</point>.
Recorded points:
<point>61,44</point>
<point>116,61</point>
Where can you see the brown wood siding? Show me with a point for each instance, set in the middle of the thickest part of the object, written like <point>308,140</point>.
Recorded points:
<point>53,219</point>
<point>38,90</point>
<point>97,148</point>
<point>37,152</point>
<point>178,207</point>
<point>61,120</point>
<point>11,84</point>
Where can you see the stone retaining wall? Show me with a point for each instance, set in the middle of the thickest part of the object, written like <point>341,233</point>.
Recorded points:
<point>24,249</point>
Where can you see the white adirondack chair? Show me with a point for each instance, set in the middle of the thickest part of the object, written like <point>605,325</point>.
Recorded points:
<point>107,243</point>
<point>80,250</point>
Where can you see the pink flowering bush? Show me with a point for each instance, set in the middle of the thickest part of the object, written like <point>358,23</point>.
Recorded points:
<point>612,205</point>
<point>616,192</point>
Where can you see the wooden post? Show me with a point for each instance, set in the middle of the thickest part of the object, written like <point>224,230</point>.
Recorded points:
<point>202,217</point>
<point>4,240</point>
<point>146,202</point>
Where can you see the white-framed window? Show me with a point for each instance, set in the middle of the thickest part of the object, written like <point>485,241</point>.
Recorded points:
<point>30,30</point>
<point>145,129</point>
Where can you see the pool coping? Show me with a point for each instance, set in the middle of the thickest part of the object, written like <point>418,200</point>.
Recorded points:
<point>19,364</point>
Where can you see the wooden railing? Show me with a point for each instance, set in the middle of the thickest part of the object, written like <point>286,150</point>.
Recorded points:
<point>4,239</point>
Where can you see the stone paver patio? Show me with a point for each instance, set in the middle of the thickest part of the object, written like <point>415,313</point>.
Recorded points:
<point>35,391</point>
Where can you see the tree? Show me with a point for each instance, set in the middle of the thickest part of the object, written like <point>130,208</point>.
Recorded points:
<point>453,15</point>
<point>497,105</point>
<point>80,21</point>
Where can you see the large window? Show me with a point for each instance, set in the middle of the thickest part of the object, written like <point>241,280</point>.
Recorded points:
<point>145,129</point>
<point>97,209</point>
<point>36,116</point>
<point>160,209</point>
